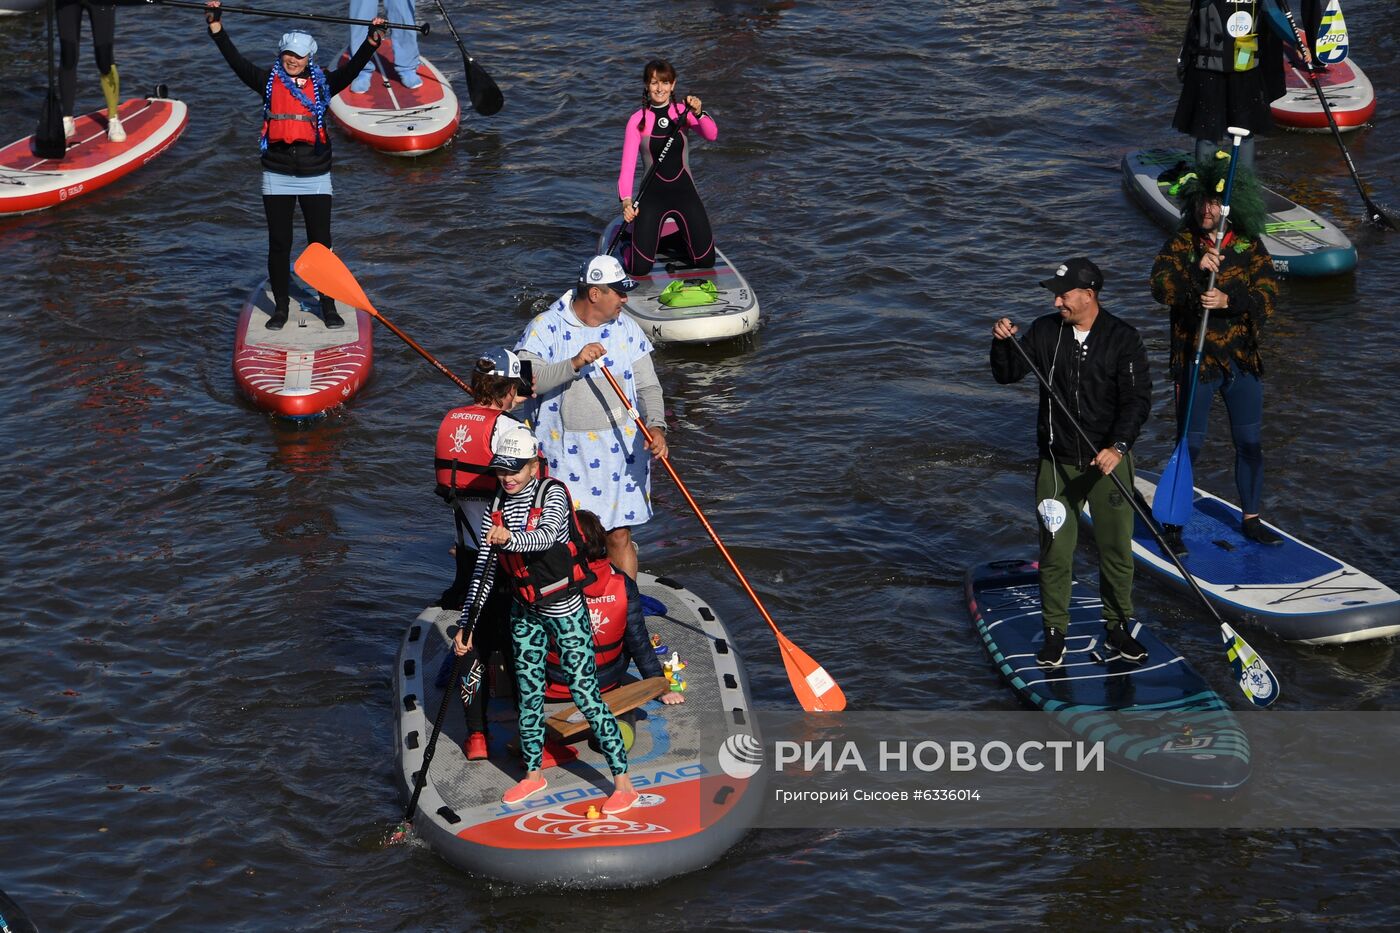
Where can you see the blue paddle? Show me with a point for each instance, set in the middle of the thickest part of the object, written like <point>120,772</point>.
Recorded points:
<point>1176,490</point>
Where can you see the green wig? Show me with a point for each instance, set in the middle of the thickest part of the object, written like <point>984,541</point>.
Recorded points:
<point>1206,181</point>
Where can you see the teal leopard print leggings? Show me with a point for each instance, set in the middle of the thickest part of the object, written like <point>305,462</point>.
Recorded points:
<point>531,632</point>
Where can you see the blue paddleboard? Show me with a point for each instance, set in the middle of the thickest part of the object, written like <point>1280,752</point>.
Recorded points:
<point>1301,244</point>
<point>1293,590</point>
<point>1179,732</point>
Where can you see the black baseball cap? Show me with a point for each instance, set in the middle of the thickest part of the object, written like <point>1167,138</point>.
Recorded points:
<point>1075,273</point>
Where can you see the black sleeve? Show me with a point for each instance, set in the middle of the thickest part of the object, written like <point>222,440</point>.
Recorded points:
<point>339,79</point>
<point>1007,365</point>
<point>636,639</point>
<point>1134,388</point>
<point>248,73</point>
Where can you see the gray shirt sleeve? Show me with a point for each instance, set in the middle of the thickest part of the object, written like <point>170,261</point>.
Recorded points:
<point>549,376</point>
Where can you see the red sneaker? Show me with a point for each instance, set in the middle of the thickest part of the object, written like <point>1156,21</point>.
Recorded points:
<point>476,746</point>
<point>524,790</point>
<point>621,801</point>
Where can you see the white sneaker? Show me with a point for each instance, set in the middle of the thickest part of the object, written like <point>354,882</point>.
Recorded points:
<point>70,129</point>
<point>114,130</point>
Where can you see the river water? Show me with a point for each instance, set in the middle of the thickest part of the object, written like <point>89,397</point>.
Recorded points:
<point>202,605</point>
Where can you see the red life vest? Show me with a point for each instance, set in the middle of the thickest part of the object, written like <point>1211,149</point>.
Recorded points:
<point>539,577</point>
<point>286,119</point>
<point>606,599</point>
<point>463,453</point>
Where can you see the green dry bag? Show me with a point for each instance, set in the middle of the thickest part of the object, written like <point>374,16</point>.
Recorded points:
<point>688,294</point>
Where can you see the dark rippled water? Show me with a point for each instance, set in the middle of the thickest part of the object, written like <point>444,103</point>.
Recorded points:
<point>201,606</point>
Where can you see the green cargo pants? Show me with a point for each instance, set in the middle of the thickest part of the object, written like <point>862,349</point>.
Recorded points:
<point>1113,532</point>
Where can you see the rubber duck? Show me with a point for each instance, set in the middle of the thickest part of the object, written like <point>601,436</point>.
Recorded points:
<point>593,813</point>
<point>676,663</point>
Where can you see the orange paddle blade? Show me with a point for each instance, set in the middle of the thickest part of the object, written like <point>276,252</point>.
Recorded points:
<point>323,271</point>
<point>816,691</point>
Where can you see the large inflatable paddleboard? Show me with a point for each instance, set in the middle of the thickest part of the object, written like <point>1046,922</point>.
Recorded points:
<point>1300,242</point>
<point>691,811</point>
<point>1180,733</point>
<point>305,369</point>
<point>1294,590</point>
<point>393,119</point>
<point>732,313</point>
<point>28,183</point>
<point>1348,91</point>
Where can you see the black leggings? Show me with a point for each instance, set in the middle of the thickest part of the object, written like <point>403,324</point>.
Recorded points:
<point>316,211</point>
<point>103,17</point>
<point>665,199</point>
<point>492,634</point>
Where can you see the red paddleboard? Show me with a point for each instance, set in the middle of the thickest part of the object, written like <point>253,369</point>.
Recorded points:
<point>29,183</point>
<point>1348,91</point>
<point>394,119</point>
<point>305,369</point>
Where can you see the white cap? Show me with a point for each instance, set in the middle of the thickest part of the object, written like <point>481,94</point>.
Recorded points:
<point>605,270</point>
<point>514,449</point>
<point>298,43</point>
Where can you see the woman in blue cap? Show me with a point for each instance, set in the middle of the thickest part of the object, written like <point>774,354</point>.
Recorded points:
<point>296,144</point>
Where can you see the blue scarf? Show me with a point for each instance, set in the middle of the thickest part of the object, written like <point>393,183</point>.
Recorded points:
<point>317,107</point>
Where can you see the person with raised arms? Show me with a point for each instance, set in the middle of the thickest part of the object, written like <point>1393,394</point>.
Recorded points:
<point>295,145</point>
<point>671,191</point>
<point>589,439</point>
<point>532,531</point>
<point>1098,360</point>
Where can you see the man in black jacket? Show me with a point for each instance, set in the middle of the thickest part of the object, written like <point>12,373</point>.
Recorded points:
<point>1098,367</point>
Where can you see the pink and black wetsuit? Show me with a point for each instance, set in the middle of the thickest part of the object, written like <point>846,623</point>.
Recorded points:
<point>672,191</point>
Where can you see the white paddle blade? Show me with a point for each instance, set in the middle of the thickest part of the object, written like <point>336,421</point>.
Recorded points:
<point>1251,673</point>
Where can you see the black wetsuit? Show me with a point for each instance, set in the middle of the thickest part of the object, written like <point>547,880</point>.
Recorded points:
<point>670,193</point>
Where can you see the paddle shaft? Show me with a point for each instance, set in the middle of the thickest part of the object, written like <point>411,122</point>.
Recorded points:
<point>1374,214</point>
<point>1132,500</point>
<point>690,500</point>
<point>1237,135</point>
<point>671,138</point>
<point>486,97</point>
<point>421,778</point>
<point>792,656</point>
<point>379,316</point>
<point>282,14</point>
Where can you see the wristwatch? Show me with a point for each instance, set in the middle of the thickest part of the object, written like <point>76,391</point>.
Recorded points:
<point>1122,448</point>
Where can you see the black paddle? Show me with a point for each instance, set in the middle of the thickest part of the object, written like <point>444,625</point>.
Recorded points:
<point>1373,213</point>
<point>420,778</point>
<point>671,137</point>
<point>50,142</point>
<point>486,97</point>
<point>283,14</point>
<point>1253,675</point>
